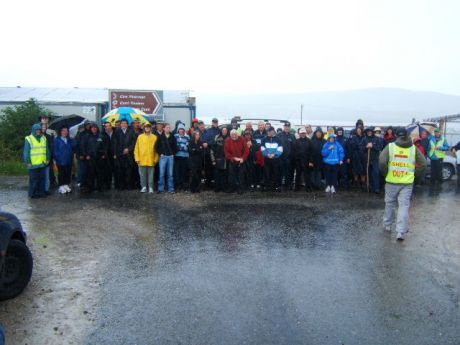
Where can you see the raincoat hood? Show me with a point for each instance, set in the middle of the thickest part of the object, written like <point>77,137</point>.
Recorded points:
<point>35,128</point>
<point>318,130</point>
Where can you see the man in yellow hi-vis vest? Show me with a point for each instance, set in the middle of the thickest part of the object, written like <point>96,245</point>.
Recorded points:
<point>37,156</point>
<point>401,162</point>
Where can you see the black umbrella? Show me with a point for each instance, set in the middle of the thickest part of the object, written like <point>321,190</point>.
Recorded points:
<point>68,120</point>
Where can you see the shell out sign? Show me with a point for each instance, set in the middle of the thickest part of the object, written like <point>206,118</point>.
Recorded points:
<point>150,102</point>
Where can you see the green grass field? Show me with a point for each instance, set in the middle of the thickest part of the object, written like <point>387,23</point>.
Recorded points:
<point>12,168</point>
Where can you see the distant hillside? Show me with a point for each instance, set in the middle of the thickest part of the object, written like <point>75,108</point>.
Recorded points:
<point>379,104</point>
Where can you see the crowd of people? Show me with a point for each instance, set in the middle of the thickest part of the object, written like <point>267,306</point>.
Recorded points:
<point>224,158</point>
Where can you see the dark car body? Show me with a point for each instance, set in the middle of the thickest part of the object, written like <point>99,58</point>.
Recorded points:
<point>16,261</point>
<point>10,228</point>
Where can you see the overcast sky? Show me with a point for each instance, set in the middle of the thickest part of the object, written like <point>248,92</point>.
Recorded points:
<point>232,46</point>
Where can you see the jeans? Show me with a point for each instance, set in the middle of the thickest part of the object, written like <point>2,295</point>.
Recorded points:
<point>146,176</point>
<point>401,194</point>
<point>36,182</point>
<point>166,162</point>
<point>47,178</point>
<point>330,172</point>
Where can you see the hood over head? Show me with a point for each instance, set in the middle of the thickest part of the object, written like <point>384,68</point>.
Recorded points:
<point>35,127</point>
<point>318,129</point>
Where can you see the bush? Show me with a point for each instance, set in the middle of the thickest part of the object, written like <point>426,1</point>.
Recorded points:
<point>12,167</point>
<point>15,124</point>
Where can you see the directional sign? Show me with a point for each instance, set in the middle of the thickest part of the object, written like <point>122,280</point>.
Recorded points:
<point>150,102</point>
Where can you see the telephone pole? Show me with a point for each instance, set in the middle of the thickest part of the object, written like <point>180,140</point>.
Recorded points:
<point>301,114</point>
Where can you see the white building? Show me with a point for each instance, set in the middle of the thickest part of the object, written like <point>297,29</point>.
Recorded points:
<point>93,103</point>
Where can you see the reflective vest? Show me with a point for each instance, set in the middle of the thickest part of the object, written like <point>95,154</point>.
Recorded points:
<point>37,150</point>
<point>435,149</point>
<point>401,166</point>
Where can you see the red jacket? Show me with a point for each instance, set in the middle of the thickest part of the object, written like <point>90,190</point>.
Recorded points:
<point>236,149</point>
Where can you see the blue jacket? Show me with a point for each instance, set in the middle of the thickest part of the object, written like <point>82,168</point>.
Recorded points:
<point>271,145</point>
<point>63,152</point>
<point>182,145</point>
<point>257,136</point>
<point>288,142</point>
<point>209,135</point>
<point>334,156</point>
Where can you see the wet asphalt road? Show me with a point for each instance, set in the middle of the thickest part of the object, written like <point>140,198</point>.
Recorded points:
<point>290,268</point>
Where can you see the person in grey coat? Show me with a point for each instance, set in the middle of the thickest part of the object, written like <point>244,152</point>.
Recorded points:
<point>401,162</point>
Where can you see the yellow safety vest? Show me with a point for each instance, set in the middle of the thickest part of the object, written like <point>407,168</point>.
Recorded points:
<point>37,150</point>
<point>434,149</point>
<point>401,166</point>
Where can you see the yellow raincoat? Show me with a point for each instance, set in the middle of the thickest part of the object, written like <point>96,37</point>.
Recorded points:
<point>144,153</point>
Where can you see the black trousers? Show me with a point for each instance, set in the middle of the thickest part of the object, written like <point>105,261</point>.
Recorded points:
<point>195,181</point>
<point>95,175</point>
<point>302,170</point>
<point>272,172</point>
<point>135,175</point>
<point>64,174</point>
<point>250,174</point>
<point>343,175</point>
<point>125,169</point>
<point>221,178</point>
<point>181,172</point>
<point>259,173</point>
<point>436,171</point>
<point>208,169</point>
<point>109,173</point>
<point>236,176</point>
<point>331,174</point>
<point>287,171</point>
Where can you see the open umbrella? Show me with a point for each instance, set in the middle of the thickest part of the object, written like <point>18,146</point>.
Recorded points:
<point>125,113</point>
<point>68,120</point>
<point>415,130</point>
